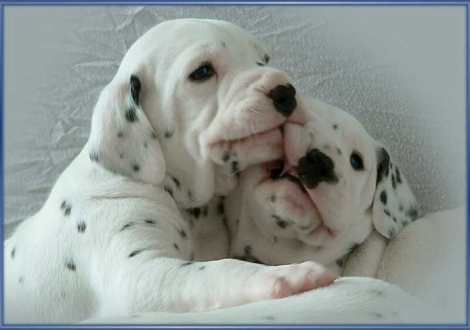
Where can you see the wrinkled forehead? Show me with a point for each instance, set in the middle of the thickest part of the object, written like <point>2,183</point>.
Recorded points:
<point>170,39</point>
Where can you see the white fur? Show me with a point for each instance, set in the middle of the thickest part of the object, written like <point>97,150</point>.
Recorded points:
<point>110,239</point>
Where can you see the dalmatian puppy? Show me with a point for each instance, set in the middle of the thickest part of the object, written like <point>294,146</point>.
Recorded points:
<point>182,115</point>
<point>336,188</point>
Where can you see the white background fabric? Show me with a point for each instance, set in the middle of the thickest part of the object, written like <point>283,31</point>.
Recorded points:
<point>399,69</point>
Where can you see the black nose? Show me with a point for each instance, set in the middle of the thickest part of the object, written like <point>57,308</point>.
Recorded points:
<point>284,99</point>
<point>316,167</point>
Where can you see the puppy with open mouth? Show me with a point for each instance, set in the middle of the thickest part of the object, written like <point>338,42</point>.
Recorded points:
<point>335,186</point>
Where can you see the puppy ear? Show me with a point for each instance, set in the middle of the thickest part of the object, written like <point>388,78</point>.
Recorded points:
<point>122,139</point>
<point>394,205</point>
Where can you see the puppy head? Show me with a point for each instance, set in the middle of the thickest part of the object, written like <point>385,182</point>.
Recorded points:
<point>334,186</point>
<point>208,96</point>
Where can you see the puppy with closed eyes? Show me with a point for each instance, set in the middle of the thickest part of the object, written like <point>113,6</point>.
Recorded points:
<point>336,187</point>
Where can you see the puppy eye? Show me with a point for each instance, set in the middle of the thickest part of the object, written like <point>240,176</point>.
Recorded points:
<point>356,161</point>
<point>202,73</point>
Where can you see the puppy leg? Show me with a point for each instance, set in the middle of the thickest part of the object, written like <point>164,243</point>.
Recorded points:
<point>150,283</point>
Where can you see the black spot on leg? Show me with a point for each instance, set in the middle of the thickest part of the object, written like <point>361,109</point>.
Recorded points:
<point>153,136</point>
<point>183,233</point>
<point>235,167</point>
<point>71,266</point>
<point>136,167</point>
<point>131,115</point>
<point>120,134</point>
<point>339,262</point>
<point>260,64</point>
<point>383,197</point>
<point>81,227</point>
<point>387,212</point>
<point>134,253</point>
<point>13,251</point>
<point>391,233</point>
<point>186,264</point>
<point>135,88</point>
<point>66,208</point>
<point>412,213</point>
<point>202,267</point>
<point>176,246</point>
<point>273,199</point>
<point>335,126</point>
<point>394,182</point>
<point>394,219</point>
<point>168,134</point>
<point>94,157</point>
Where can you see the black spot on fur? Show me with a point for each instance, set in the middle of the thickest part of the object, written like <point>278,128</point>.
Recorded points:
<point>398,175</point>
<point>177,182</point>
<point>121,155</point>
<point>176,246</point>
<point>235,167</point>
<point>383,164</point>
<point>169,190</point>
<point>383,197</point>
<point>135,88</point>
<point>387,212</point>
<point>269,317</point>
<point>13,251</point>
<point>281,223</point>
<point>169,134</point>
<point>194,211</point>
<point>131,115</point>
<point>190,195</point>
<point>94,157</point>
<point>394,181</point>
<point>335,126</point>
<point>153,136</point>
<point>136,167</point>
<point>120,134</point>
<point>391,232</point>
<point>186,264</point>
<point>339,262</point>
<point>202,267</point>
<point>21,279</point>
<point>260,64</point>
<point>226,156</point>
<point>151,222</point>
<point>71,266</point>
<point>273,199</point>
<point>81,227</point>
<point>66,207</point>
<point>394,219</point>
<point>146,145</point>
<point>224,44</point>
<point>412,213</point>
<point>221,206</point>
<point>134,253</point>
<point>126,226</point>
<point>183,233</point>
<point>338,151</point>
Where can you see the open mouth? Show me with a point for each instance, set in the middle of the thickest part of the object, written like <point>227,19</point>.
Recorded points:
<point>282,170</point>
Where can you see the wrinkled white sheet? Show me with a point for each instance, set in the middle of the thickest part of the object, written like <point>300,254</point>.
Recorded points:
<point>400,70</point>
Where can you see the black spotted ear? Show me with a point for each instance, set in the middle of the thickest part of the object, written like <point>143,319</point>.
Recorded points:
<point>394,204</point>
<point>122,139</point>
